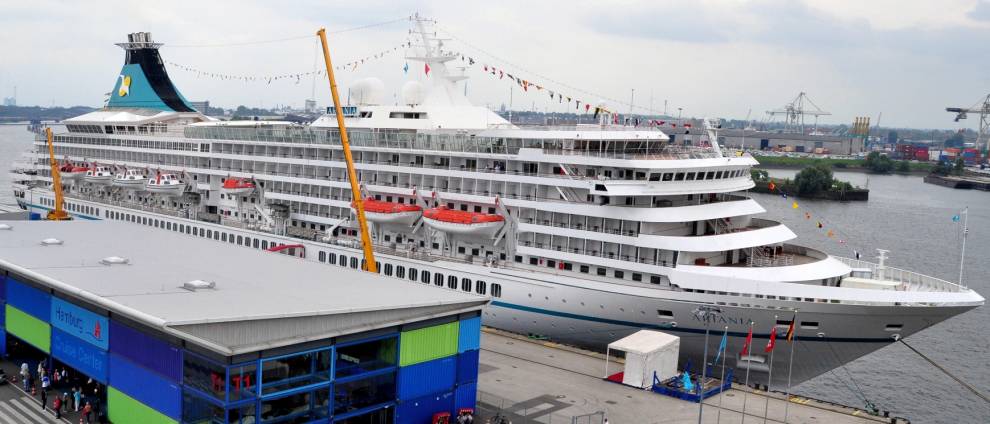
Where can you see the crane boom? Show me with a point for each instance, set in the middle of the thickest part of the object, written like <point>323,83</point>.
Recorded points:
<point>369,252</point>
<point>57,214</point>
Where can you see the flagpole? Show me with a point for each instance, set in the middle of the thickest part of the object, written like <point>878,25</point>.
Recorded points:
<point>962,254</point>
<point>704,370</point>
<point>790,365</point>
<point>721,380</point>
<point>766,407</point>
<point>749,364</point>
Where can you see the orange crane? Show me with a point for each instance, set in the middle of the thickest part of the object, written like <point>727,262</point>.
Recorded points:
<point>369,252</point>
<point>57,214</point>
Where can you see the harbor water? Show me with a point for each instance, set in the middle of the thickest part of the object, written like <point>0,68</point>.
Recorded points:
<point>912,220</point>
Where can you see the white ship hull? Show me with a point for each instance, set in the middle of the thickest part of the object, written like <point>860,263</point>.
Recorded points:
<point>552,305</point>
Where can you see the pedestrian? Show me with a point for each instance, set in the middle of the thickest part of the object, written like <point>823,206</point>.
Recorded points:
<point>25,375</point>
<point>44,399</point>
<point>57,406</point>
<point>77,397</point>
<point>87,410</point>
<point>45,383</point>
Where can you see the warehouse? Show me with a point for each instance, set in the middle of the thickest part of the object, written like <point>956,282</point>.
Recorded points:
<point>749,139</point>
<point>179,329</point>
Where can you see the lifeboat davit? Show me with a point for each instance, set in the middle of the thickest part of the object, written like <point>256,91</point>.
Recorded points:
<point>237,186</point>
<point>71,172</point>
<point>463,222</point>
<point>382,212</point>
<point>130,179</point>
<point>99,175</point>
<point>167,184</point>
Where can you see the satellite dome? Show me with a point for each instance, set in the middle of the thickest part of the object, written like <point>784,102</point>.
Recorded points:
<point>413,93</point>
<point>367,91</point>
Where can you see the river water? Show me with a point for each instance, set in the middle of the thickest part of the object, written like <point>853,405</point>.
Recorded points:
<point>911,219</point>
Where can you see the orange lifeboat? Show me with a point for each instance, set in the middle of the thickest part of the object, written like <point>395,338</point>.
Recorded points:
<point>70,171</point>
<point>238,186</point>
<point>390,212</point>
<point>463,222</point>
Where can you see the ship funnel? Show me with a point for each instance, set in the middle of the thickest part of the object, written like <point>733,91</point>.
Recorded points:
<point>143,82</point>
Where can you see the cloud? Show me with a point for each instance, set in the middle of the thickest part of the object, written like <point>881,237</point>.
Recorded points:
<point>980,11</point>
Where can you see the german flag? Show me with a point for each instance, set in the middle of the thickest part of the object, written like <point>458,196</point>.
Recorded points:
<point>790,329</point>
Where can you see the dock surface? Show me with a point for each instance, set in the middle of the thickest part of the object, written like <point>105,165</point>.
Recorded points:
<point>539,382</point>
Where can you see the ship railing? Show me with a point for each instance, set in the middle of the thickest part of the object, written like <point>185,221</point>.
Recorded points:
<point>596,253</point>
<point>912,280</point>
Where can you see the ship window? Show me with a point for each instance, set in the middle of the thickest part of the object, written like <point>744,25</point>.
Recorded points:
<point>354,263</point>
<point>465,284</point>
<point>679,176</point>
<point>783,322</point>
<point>481,287</point>
<point>663,313</point>
<point>718,175</point>
<point>343,260</point>
<point>438,279</point>
<point>690,176</point>
<point>619,274</point>
<point>413,274</point>
<point>551,264</point>
<point>400,271</point>
<point>254,243</point>
<point>333,259</point>
<point>323,256</point>
<point>584,269</point>
<point>452,282</point>
<point>811,325</point>
<point>201,232</point>
<point>496,290</point>
<point>240,240</point>
<point>518,258</point>
<point>425,277</point>
<point>533,261</point>
<point>637,277</point>
<point>655,176</point>
<point>388,270</point>
<point>601,271</point>
<point>894,327</point>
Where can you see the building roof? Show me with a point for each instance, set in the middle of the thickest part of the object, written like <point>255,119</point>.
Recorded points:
<point>261,300</point>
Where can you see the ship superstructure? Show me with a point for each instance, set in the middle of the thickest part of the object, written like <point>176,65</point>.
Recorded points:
<point>582,234</point>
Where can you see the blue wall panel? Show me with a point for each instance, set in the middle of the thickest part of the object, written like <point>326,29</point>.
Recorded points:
<point>427,378</point>
<point>470,335</point>
<point>465,397</point>
<point>3,342</point>
<point>80,323</point>
<point>145,350</point>
<point>80,355</point>
<point>3,287</point>
<point>145,386</point>
<point>421,410</point>
<point>29,299</point>
<point>467,367</point>
<point>3,315</point>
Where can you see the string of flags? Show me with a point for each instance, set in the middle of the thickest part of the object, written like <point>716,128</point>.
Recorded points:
<point>830,233</point>
<point>294,77</point>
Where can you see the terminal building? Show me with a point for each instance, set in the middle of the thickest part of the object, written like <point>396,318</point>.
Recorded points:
<point>749,139</point>
<point>175,329</point>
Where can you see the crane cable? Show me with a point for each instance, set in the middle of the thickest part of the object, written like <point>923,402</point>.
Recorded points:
<point>948,373</point>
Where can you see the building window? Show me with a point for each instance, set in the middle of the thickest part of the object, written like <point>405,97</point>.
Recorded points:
<point>363,393</point>
<point>364,357</point>
<point>204,375</point>
<point>306,406</point>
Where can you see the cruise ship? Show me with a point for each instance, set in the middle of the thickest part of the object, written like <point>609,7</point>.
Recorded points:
<point>581,234</point>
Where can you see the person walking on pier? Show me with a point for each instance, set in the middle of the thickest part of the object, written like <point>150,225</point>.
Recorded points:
<point>44,399</point>
<point>25,375</point>
<point>87,411</point>
<point>77,397</point>
<point>57,406</point>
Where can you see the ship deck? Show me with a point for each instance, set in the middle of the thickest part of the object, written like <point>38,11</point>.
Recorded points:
<point>539,382</point>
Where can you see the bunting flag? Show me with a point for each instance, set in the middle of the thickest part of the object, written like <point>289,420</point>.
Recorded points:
<point>771,186</point>
<point>772,341</point>
<point>794,205</point>
<point>405,68</point>
<point>820,224</point>
<point>747,343</point>
<point>426,68</point>
<point>807,215</point>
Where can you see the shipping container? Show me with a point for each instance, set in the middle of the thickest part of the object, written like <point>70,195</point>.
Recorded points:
<point>145,350</point>
<point>469,334</point>
<point>421,410</point>
<point>467,367</point>
<point>465,397</point>
<point>29,299</point>
<point>34,331</point>
<point>124,409</point>
<point>427,378</point>
<point>426,344</point>
<point>81,323</point>
<point>78,354</point>
<point>145,386</point>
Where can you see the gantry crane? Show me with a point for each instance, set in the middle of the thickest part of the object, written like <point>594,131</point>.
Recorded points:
<point>57,214</point>
<point>795,111</point>
<point>983,108</point>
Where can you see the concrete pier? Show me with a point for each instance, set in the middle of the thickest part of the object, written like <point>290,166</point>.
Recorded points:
<point>534,381</point>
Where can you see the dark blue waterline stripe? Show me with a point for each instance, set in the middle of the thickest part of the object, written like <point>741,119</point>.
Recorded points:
<point>677,329</point>
<point>70,213</point>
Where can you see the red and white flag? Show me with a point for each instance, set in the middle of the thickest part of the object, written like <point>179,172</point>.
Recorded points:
<point>749,341</point>
<point>773,340</point>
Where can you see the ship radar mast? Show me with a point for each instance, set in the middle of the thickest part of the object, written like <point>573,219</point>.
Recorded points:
<point>432,54</point>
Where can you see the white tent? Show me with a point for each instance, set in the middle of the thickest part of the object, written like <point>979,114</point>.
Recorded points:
<point>646,352</point>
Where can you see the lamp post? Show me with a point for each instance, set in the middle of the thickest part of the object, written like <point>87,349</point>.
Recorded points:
<point>705,313</point>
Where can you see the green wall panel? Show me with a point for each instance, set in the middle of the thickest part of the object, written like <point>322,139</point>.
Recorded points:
<point>427,344</point>
<point>28,328</point>
<point>123,409</point>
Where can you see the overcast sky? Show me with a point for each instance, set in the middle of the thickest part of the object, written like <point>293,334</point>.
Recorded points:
<point>908,59</point>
